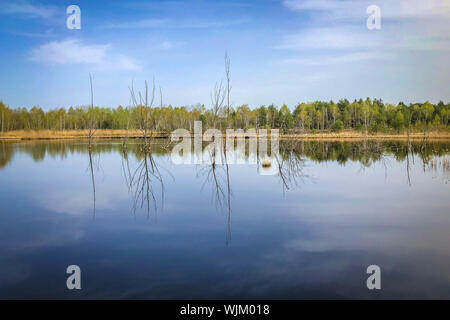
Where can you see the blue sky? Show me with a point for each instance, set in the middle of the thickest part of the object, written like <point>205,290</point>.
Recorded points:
<point>282,51</point>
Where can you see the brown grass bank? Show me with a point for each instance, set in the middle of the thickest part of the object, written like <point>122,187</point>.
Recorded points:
<point>135,134</point>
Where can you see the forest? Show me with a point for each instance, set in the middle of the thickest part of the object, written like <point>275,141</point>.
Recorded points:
<point>367,115</point>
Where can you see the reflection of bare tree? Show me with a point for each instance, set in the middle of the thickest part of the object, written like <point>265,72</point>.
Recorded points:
<point>424,154</point>
<point>372,152</point>
<point>290,166</point>
<point>409,154</point>
<point>91,171</point>
<point>440,163</point>
<point>217,176</point>
<point>140,182</point>
<point>434,160</point>
<point>126,165</point>
<point>228,200</point>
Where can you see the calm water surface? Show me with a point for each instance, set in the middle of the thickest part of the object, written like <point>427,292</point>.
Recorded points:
<point>142,227</point>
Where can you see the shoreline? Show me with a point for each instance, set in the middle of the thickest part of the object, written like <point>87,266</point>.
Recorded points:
<point>134,134</point>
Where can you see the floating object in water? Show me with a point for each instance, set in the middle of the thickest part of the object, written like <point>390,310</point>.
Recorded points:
<point>266,163</point>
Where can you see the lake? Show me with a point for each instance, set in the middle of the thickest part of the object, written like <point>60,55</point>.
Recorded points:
<point>141,227</point>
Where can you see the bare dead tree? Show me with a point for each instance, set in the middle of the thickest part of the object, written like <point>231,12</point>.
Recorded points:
<point>161,97</point>
<point>144,103</point>
<point>91,132</point>
<point>217,101</point>
<point>228,92</point>
<point>91,120</point>
<point>125,139</point>
<point>217,175</point>
<point>228,89</point>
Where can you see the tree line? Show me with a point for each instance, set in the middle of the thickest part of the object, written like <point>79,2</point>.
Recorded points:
<point>365,115</point>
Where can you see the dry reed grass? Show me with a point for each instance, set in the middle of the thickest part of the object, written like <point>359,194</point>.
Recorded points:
<point>118,134</point>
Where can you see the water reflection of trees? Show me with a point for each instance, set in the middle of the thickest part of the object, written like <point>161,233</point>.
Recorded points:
<point>6,153</point>
<point>91,171</point>
<point>290,161</point>
<point>290,164</point>
<point>145,183</point>
<point>93,166</point>
<point>317,151</point>
<point>216,176</point>
<point>141,180</point>
<point>436,164</point>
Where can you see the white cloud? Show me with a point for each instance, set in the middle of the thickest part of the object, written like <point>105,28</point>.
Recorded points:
<point>319,5</point>
<point>329,38</point>
<point>140,24</point>
<point>340,27</point>
<point>398,9</point>
<point>166,45</point>
<point>120,62</point>
<point>69,52</point>
<point>174,24</point>
<point>72,51</point>
<point>337,59</point>
<point>47,34</point>
<point>353,38</point>
<point>28,9</point>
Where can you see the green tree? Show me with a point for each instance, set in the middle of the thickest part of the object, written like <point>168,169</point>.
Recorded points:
<point>399,121</point>
<point>338,126</point>
<point>262,116</point>
<point>285,118</point>
<point>272,114</point>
